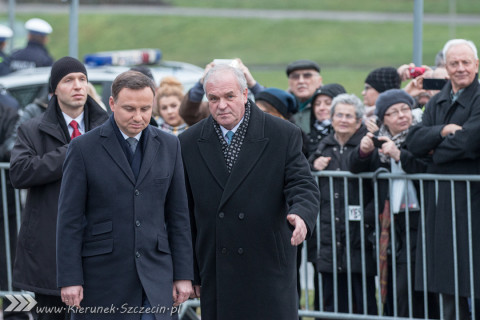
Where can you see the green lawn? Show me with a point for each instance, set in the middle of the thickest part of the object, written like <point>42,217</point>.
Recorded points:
<point>346,52</point>
<point>431,6</point>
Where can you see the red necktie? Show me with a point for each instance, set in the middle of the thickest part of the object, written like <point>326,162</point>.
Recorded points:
<point>75,132</point>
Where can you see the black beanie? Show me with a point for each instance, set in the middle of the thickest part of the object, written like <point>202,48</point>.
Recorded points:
<point>385,78</point>
<point>62,67</point>
<point>390,97</point>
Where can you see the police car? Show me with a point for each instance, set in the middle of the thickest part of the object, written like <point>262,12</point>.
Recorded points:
<point>102,68</point>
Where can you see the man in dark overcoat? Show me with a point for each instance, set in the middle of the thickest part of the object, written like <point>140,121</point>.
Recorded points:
<point>252,200</point>
<point>449,136</point>
<point>123,236</point>
<point>36,164</point>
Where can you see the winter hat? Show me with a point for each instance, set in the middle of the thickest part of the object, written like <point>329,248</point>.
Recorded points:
<point>302,65</point>
<point>332,90</point>
<point>385,78</point>
<point>62,67</point>
<point>281,100</point>
<point>390,97</point>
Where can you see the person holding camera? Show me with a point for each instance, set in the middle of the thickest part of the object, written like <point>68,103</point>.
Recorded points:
<point>332,154</point>
<point>386,149</point>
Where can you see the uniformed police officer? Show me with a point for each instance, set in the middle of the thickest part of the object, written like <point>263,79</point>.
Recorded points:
<point>5,33</point>
<point>35,54</point>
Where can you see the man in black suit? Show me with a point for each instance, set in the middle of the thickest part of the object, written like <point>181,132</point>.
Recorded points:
<point>123,236</point>
<point>252,200</point>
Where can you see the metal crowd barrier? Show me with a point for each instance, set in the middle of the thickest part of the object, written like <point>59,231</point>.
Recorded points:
<point>187,311</point>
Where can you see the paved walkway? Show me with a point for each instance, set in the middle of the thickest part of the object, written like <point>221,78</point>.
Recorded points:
<point>459,19</point>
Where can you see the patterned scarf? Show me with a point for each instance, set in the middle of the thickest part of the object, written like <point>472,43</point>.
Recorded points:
<point>323,127</point>
<point>173,130</point>
<point>232,150</point>
<point>398,139</point>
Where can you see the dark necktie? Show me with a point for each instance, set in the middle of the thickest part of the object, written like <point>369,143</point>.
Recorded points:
<point>133,144</point>
<point>75,132</point>
<point>228,136</point>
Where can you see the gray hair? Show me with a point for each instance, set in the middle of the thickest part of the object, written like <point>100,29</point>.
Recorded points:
<point>351,100</point>
<point>220,68</point>
<point>455,42</point>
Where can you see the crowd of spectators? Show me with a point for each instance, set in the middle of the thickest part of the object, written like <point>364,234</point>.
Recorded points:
<point>414,129</point>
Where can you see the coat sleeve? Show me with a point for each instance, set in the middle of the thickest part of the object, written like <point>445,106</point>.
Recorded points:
<point>359,164</point>
<point>465,143</point>
<point>71,217</point>
<point>27,167</point>
<point>178,222</point>
<point>301,189</point>
<point>425,136</point>
<point>192,111</point>
<point>8,118</point>
<point>410,163</point>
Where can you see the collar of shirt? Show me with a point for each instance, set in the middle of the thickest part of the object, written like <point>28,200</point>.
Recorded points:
<point>126,137</point>
<point>454,96</point>
<point>79,120</point>
<point>224,131</point>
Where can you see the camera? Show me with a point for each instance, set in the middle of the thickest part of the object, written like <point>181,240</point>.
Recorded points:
<point>433,84</point>
<point>230,62</point>
<point>417,71</point>
<point>377,143</point>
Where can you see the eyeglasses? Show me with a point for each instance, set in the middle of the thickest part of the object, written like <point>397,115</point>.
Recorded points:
<point>347,116</point>
<point>297,75</point>
<point>395,113</point>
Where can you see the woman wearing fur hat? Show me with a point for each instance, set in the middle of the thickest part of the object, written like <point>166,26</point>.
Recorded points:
<point>393,109</point>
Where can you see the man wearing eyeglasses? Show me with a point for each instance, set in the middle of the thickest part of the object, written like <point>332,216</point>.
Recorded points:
<point>303,79</point>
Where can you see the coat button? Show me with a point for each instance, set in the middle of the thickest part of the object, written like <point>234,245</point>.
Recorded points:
<point>340,268</point>
<point>240,251</point>
<point>339,244</point>
<point>137,193</point>
<point>224,250</point>
<point>241,215</point>
<point>336,195</point>
<point>221,215</point>
<point>137,223</point>
<point>137,254</point>
<point>337,219</point>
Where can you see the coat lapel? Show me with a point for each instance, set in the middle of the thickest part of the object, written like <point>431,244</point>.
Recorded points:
<point>252,149</point>
<point>114,149</point>
<point>150,152</point>
<point>211,152</point>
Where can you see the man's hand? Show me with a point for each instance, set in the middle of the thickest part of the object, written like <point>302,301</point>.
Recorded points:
<point>182,289</point>
<point>450,129</point>
<point>195,292</point>
<point>300,231</point>
<point>72,296</point>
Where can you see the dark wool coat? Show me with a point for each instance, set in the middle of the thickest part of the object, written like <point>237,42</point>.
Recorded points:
<point>329,147</point>
<point>244,259</point>
<point>454,154</point>
<point>117,235</point>
<point>36,164</point>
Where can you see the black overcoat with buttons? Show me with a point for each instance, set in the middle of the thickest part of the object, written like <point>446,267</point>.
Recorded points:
<point>329,147</point>
<point>118,235</point>
<point>244,260</point>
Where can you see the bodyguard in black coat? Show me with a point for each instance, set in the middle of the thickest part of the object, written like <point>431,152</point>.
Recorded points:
<point>449,136</point>
<point>245,199</point>
<point>36,164</point>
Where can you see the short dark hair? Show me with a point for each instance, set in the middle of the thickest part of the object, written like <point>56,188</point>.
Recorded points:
<point>131,80</point>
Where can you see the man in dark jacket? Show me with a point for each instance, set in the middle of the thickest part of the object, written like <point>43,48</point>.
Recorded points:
<point>35,54</point>
<point>449,136</point>
<point>36,164</point>
<point>252,200</point>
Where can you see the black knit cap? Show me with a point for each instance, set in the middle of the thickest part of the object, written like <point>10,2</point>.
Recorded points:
<point>390,97</point>
<point>332,90</point>
<point>62,67</point>
<point>302,65</point>
<point>385,78</point>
